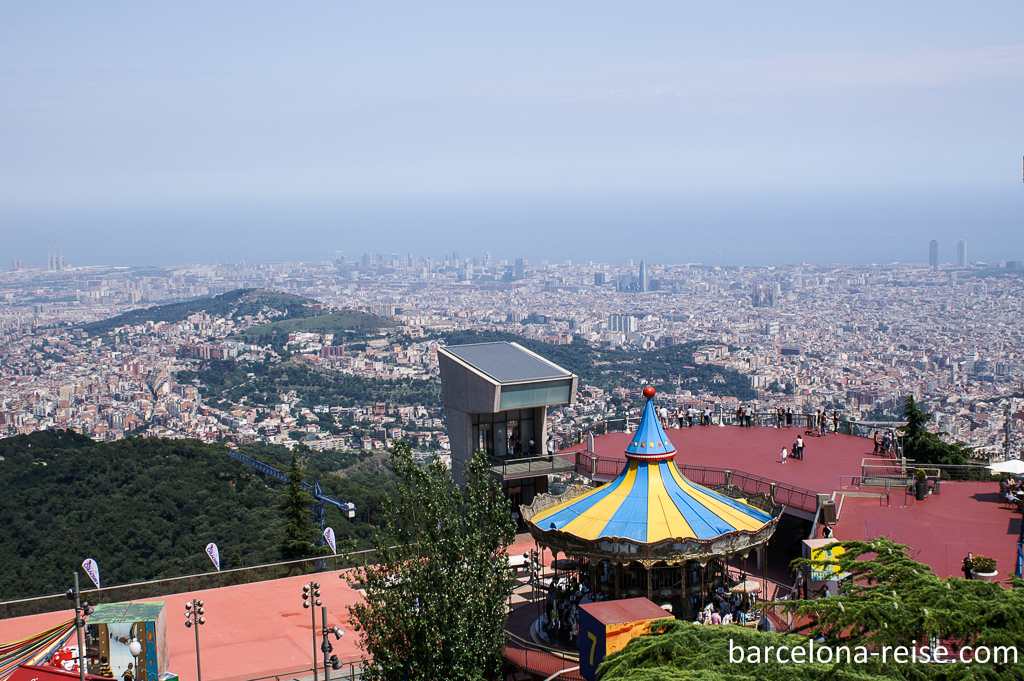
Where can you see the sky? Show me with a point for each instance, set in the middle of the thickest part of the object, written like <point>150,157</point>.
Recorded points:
<point>745,133</point>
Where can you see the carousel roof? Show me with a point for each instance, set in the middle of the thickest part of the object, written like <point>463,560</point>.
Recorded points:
<point>651,501</point>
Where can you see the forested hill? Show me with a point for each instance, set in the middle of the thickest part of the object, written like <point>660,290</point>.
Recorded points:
<point>233,304</point>
<point>142,508</point>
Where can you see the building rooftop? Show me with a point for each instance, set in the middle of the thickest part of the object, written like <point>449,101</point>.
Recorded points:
<point>507,362</point>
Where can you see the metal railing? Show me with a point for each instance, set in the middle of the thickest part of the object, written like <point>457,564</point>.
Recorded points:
<point>533,659</point>
<point>527,465</point>
<point>350,671</point>
<point>710,476</point>
<point>763,419</point>
<point>186,584</point>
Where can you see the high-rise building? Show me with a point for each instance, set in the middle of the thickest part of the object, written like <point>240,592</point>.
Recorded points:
<point>367,257</point>
<point>933,254</point>
<point>600,278</point>
<point>622,323</point>
<point>643,276</point>
<point>961,253</point>
<point>520,268</point>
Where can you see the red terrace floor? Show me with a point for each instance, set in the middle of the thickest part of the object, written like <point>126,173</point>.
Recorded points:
<point>964,516</point>
<point>757,450</point>
<point>251,630</point>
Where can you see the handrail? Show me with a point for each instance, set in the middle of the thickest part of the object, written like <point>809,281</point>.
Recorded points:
<point>353,666</point>
<point>711,476</point>
<point>578,434</point>
<point>187,583</point>
<point>550,462</point>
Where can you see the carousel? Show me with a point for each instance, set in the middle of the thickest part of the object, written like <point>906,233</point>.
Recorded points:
<point>649,532</point>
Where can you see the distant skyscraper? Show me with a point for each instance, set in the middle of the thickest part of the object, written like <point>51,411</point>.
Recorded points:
<point>520,268</point>
<point>622,323</point>
<point>367,257</point>
<point>961,253</point>
<point>643,276</point>
<point>55,256</point>
<point>933,254</point>
<point>599,278</point>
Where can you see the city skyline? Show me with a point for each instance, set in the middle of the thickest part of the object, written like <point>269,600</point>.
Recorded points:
<point>734,136</point>
<point>56,260</point>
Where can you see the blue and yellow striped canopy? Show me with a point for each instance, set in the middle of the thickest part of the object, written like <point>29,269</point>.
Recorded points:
<point>650,500</point>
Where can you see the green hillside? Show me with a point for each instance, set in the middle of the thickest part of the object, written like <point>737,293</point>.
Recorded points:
<point>235,304</point>
<point>231,381</point>
<point>351,324</point>
<point>142,508</point>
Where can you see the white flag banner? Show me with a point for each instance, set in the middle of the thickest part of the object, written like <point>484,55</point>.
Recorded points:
<point>93,570</point>
<point>214,554</point>
<point>329,536</point>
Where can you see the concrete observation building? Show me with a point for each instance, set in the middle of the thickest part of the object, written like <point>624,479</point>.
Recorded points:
<point>496,398</point>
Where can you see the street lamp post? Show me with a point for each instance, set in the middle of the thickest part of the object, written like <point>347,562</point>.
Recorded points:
<point>135,648</point>
<point>193,619</point>
<point>326,648</point>
<point>311,597</point>
<point>82,610</point>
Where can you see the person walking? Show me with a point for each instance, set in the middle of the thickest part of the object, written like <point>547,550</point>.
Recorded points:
<point>799,451</point>
<point>784,453</point>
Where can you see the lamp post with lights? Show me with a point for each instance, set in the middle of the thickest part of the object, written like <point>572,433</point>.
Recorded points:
<point>135,648</point>
<point>332,662</point>
<point>82,610</point>
<point>193,619</point>
<point>311,597</point>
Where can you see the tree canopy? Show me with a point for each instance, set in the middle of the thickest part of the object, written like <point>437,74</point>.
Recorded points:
<point>142,508</point>
<point>435,602</point>
<point>889,600</point>
<point>300,535</point>
<point>924,446</point>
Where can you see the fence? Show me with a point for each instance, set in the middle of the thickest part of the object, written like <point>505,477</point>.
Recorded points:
<point>187,584</point>
<point>350,671</point>
<point>709,476</point>
<point>765,419</point>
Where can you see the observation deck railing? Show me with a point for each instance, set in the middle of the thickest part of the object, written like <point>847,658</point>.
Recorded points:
<point>187,584</point>
<point>512,467</point>
<point>710,476</point>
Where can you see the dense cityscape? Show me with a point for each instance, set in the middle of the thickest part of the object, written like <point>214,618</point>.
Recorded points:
<point>851,338</point>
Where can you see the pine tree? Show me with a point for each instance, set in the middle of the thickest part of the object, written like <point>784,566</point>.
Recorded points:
<point>888,599</point>
<point>296,507</point>
<point>924,446</point>
<point>891,599</point>
<point>435,602</point>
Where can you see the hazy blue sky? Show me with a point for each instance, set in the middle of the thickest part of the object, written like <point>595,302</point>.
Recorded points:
<point>727,132</point>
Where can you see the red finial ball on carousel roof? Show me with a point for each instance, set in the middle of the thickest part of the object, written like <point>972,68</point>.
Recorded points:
<point>649,391</point>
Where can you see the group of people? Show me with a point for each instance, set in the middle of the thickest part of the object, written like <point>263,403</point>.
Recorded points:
<point>685,417</point>
<point>817,421</point>
<point>884,443</point>
<point>784,417</point>
<point>725,609</point>
<point>798,449</point>
<point>1012,490</point>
